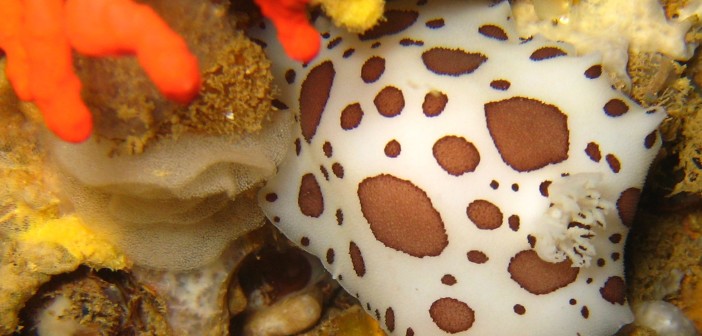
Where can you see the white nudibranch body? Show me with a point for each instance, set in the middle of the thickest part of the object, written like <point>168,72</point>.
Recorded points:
<point>452,176</point>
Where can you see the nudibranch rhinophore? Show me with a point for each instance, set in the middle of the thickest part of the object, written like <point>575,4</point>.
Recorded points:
<point>459,180</point>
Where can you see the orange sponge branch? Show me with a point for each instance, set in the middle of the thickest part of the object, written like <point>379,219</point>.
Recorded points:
<point>17,66</point>
<point>299,39</point>
<point>123,27</point>
<point>37,36</point>
<point>48,75</point>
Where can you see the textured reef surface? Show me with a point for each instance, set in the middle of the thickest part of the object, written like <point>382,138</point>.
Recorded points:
<point>449,166</point>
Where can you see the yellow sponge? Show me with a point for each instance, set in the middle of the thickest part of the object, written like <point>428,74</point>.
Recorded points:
<point>355,15</point>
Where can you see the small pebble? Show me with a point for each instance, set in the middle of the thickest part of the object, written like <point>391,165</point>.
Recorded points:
<point>288,316</point>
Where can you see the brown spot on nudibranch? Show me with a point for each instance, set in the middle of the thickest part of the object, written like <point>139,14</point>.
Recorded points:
<point>339,217</point>
<point>593,71</point>
<point>278,104</point>
<point>435,23</point>
<point>392,148</point>
<point>615,107</point>
<point>650,139</point>
<point>614,290</point>
<point>271,197</point>
<point>493,31</point>
<point>359,266</point>
<point>406,42</point>
<point>613,163</point>
<point>456,155</point>
<point>593,151</point>
<point>626,205</point>
<point>513,222</point>
<point>528,133</point>
<point>372,69</point>
<point>615,238</point>
<point>333,43</point>
<point>395,22</point>
<point>452,62</point>
<point>390,319</point>
<point>452,315</point>
<point>543,188</point>
<point>262,44</point>
<point>519,309</point>
<point>310,199</point>
<point>324,172</point>
<point>500,84</point>
<point>477,257</point>
<point>351,116</point>
<point>327,149</point>
<point>485,215</point>
<point>330,256</point>
<point>546,53</point>
<point>298,146</point>
<point>401,216</point>
<point>540,277</point>
<point>531,240</point>
<point>313,97</point>
<point>290,76</point>
<point>389,101</point>
<point>434,103</point>
<point>338,170</point>
<point>448,280</point>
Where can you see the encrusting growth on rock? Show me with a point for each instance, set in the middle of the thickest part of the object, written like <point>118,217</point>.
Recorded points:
<point>37,241</point>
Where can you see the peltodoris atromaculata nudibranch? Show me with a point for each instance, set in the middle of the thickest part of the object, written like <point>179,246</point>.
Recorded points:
<point>459,180</point>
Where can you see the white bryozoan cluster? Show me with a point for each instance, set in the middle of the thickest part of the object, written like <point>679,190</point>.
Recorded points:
<point>575,214</point>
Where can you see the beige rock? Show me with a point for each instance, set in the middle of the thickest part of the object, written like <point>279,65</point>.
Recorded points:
<point>288,316</point>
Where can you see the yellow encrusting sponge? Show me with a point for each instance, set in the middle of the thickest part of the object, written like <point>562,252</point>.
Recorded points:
<point>356,16</point>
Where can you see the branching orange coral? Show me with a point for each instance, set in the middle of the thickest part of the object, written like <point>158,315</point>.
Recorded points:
<point>37,37</point>
<point>299,39</point>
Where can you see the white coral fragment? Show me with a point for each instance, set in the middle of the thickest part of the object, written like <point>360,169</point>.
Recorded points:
<point>576,212</point>
<point>611,28</point>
